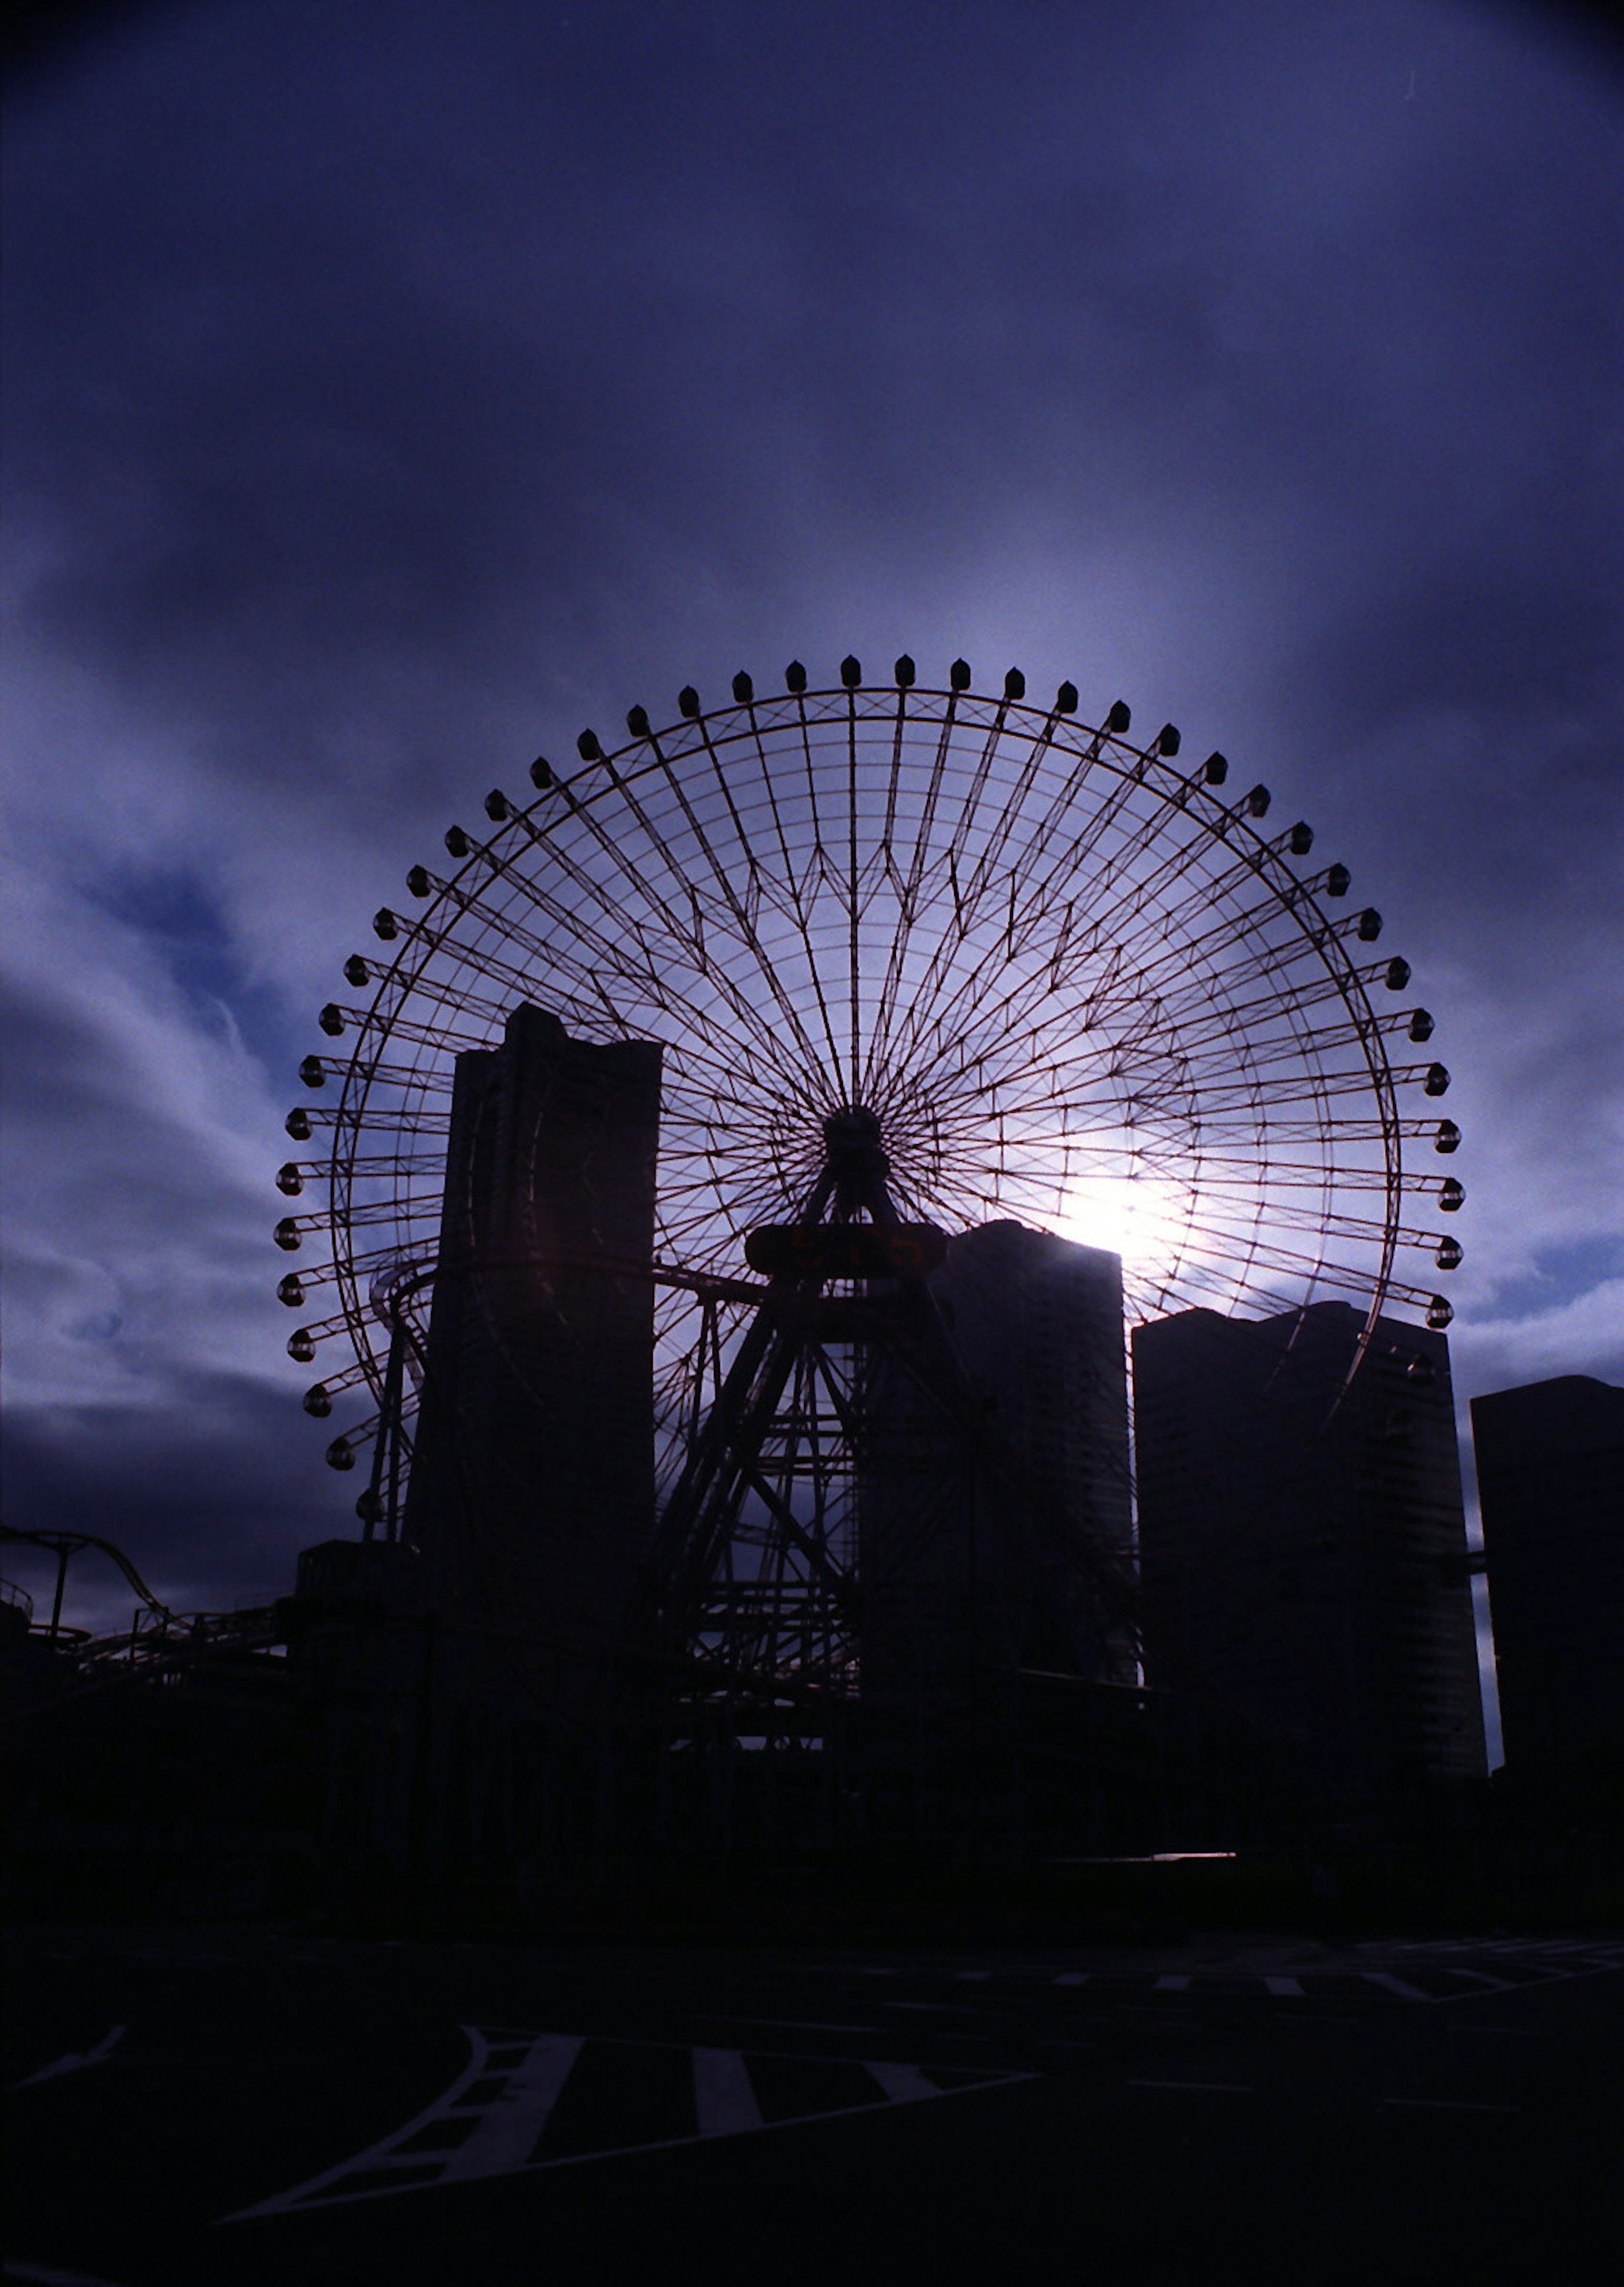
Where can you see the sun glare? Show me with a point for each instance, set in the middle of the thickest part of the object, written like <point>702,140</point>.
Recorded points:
<point>1142,1218</point>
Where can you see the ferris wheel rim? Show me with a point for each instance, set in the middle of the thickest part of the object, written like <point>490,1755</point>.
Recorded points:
<point>645,766</point>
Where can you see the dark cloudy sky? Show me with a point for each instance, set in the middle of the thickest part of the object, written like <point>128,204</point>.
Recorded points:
<point>394,388</point>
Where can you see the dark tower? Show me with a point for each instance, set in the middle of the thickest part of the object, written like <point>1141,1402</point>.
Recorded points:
<point>999,1504</point>
<point>532,1493</point>
<point>1037,1324</point>
<point>1303,1564</point>
<point>1551,1476</point>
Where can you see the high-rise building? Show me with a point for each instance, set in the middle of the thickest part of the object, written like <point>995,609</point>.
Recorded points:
<point>1302,1559</point>
<point>532,1493</point>
<point>1550,1478</point>
<point>989,1505</point>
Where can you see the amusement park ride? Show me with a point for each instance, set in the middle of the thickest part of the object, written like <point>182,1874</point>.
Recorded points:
<point>911,962</point>
<point>653,1153</point>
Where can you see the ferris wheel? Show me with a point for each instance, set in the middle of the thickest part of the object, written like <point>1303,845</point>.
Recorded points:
<point>1068,980</point>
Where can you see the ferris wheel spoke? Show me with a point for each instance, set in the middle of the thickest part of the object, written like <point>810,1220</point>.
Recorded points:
<point>892,979</point>
<point>582,957</point>
<point>596,954</point>
<point>998,855</point>
<point>1269,986</point>
<point>738,908</point>
<point>446,957</point>
<point>931,795</point>
<point>1067,980</point>
<point>1289,1030</point>
<point>756,939</point>
<point>1143,888</point>
<point>1122,788</point>
<point>1077,756</point>
<point>1109,922</point>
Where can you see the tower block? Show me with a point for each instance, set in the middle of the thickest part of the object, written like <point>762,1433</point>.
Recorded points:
<point>532,1496</point>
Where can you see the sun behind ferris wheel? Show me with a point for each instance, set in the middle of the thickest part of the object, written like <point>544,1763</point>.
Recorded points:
<point>1074,983</point>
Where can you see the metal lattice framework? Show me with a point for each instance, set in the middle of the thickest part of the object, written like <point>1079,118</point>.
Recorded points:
<point>1077,984</point>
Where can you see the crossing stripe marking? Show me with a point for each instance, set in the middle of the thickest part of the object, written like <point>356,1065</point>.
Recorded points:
<point>902,2083</point>
<point>506,2128</point>
<point>1172,1985</point>
<point>1073,1977</point>
<point>723,2093</point>
<point>1398,1985</point>
<point>538,2072</point>
<point>1292,1986</point>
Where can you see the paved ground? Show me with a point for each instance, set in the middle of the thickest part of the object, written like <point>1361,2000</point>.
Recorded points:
<point>267,2109</point>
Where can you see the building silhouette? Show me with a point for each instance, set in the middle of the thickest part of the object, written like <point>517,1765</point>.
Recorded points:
<point>532,1492</point>
<point>991,1492</point>
<point>995,1515</point>
<point>1550,1478</point>
<point>1302,1560</point>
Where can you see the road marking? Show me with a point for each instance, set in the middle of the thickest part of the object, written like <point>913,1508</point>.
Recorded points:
<point>506,2134</point>
<point>1288,1985</point>
<point>1449,2104</point>
<point>491,2120</point>
<point>973,1976</point>
<point>42,2274</point>
<point>1213,2087</point>
<point>1073,1977</point>
<point>1172,1985</point>
<point>387,2156</point>
<point>902,2083</point>
<point>1481,1977</point>
<point>1394,1985</point>
<point>723,2096</point>
<point>76,2060</point>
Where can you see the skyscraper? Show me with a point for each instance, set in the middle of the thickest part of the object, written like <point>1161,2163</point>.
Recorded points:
<point>1551,1476</point>
<point>1302,1559</point>
<point>992,1511</point>
<point>532,1490</point>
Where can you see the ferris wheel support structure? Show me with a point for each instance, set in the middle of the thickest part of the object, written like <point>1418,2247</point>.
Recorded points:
<point>1043,974</point>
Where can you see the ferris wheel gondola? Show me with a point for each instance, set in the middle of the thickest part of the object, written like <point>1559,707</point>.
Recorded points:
<point>1075,982</point>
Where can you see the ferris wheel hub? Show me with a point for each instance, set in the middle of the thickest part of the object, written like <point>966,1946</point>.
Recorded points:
<point>916,961</point>
<point>855,1168</point>
<point>853,1129</point>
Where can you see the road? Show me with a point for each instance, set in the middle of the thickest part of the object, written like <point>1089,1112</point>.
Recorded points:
<point>265,2107</point>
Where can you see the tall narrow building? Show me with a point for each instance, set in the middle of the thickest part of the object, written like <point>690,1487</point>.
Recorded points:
<point>532,1492</point>
<point>1550,1478</point>
<point>1302,1562</point>
<point>989,1517</point>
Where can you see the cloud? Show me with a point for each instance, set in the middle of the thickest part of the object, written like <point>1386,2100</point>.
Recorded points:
<point>392,391</point>
<point>1583,1334</point>
<point>198,1493</point>
<point>140,1318</point>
